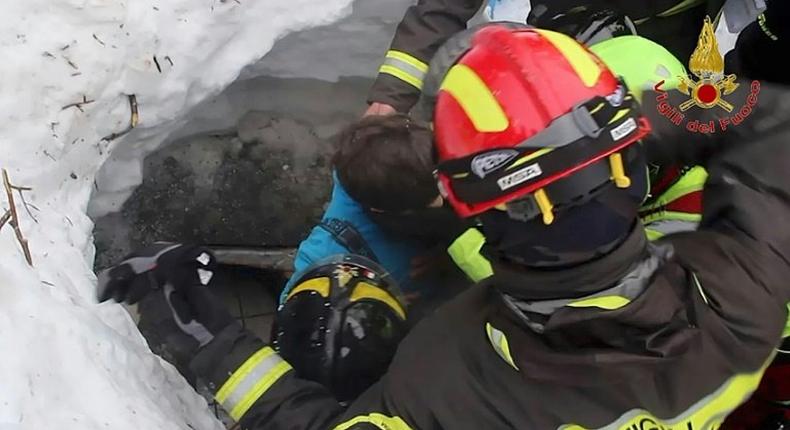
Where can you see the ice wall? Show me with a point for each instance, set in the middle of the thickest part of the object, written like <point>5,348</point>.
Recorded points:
<point>66,362</point>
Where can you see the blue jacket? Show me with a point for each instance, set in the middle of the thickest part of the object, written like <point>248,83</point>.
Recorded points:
<point>393,253</point>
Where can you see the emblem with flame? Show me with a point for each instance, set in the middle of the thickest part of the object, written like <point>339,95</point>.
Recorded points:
<point>707,65</point>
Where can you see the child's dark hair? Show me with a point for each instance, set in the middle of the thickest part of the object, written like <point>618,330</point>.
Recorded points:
<point>387,163</point>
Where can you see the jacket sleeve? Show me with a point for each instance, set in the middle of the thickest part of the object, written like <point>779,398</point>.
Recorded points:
<point>740,256</point>
<point>260,390</point>
<point>424,28</point>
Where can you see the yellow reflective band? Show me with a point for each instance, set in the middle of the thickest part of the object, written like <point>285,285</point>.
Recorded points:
<point>787,326</point>
<point>408,59</point>
<point>708,413</point>
<point>681,7</point>
<point>475,99</point>
<point>530,157</point>
<point>381,421</point>
<point>621,113</point>
<point>653,234</point>
<point>235,379</point>
<point>604,302</point>
<point>672,216</point>
<point>363,290</point>
<point>250,381</point>
<point>597,108</point>
<point>581,60</point>
<point>400,74</point>
<point>319,285</point>
<point>545,206</point>
<point>498,340</point>
<point>618,171</point>
<point>465,252</point>
<point>259,389</point>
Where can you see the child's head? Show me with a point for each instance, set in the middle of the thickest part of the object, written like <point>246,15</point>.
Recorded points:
<point>386,163</point>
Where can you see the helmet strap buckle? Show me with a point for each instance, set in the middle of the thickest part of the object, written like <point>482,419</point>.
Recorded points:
<point>585,121</point>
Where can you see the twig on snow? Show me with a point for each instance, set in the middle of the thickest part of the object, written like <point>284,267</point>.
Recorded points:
<point>78,105</point>
<point>71,63</point>
<point>4,219</point>
<point>158,67</point>
<point>15,219</point>
<point>98,40</point>
<point>25,203</point>
<point>132,121</point>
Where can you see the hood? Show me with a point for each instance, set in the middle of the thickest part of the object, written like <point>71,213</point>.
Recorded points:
<point>578,340</point>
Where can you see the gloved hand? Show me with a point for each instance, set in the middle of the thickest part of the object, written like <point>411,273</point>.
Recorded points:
<point>178,275</point>
<point>152,267</point>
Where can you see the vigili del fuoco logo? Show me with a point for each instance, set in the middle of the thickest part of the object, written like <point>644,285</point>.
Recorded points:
<point>707,89</point>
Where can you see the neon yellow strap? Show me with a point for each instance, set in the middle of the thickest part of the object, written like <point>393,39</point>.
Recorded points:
<point>604,302</point>
<point>465,252</point>
<point>671,216</point>
<point>379,420</point>
<point>250,381</point>
<point>498,340</point>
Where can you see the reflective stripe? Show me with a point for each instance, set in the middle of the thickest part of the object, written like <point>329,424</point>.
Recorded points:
<point>379,420</point>
<point>603,302</point>
<point>407,59</point>
<point>582,61</point>
<point>404,67</point>
<point>248,383</point>
<point>662,227</point>
<point>699,288</point>
<point>364,290</point>
<point>499,341</point>
<point>707,413</point>
<point>465,252</point>
<point>400,74</point>
<point>671,216</point>
<point>475,98</point>
<point>787,326</point>
<point>319,285</point>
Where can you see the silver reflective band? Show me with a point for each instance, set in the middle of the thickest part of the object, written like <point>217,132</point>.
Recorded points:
<point>246,386</point>
<point>406,67</point>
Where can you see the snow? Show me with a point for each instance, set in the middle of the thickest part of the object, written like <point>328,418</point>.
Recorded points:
<point>67,362</point>
<point>351,47</point>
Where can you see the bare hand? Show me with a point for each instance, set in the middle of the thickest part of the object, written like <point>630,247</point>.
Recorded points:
<point>381,109</point>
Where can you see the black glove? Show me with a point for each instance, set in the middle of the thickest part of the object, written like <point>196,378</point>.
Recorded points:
<point>152,267</point>
<point>178,275</point>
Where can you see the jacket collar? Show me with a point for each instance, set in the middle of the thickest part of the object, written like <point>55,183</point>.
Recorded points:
<point>527,284</point>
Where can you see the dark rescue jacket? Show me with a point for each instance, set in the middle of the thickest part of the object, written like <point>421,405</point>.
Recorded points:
<point>675,24</point>
<point>673,335</point>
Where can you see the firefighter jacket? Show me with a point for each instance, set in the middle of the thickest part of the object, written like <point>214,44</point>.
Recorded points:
<point>670,334</point>
<point>426,26</point>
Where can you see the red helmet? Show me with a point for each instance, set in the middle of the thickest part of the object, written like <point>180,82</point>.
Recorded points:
<point>519,112</point>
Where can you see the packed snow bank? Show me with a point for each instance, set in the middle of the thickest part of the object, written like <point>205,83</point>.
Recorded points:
<point>65,361</point>
<point>351,47</point>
